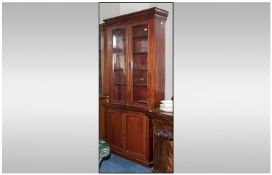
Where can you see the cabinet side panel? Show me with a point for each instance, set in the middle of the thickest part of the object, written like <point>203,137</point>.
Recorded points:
<point>159,60</point>
<point>105,64</point>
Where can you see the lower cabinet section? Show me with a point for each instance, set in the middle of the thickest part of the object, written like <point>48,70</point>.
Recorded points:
<point>128,134</point>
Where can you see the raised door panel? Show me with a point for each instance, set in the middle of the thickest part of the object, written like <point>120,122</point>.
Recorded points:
<point>136,135</point>
<point>115,129</point>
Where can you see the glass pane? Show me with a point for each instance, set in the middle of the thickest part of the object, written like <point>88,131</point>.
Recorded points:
<point>118,59</point>
<point>139,68</point>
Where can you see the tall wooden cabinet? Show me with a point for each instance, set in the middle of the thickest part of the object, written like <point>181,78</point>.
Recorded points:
<point>136,74</point>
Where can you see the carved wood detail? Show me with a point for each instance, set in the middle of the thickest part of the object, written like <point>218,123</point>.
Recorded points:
<point>163,134</point>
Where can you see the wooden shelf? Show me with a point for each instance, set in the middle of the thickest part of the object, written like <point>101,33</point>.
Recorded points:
<point>117,50</point>
<point>143,85</point>
<point>140,37</point>
<point>141,101</point>
<point>115,70</point>
<point>120,84</point>
<point>140,53</point>
<point>139,69</point>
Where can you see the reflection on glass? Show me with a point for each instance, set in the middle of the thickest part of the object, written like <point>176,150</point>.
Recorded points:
<point>139,70</point>
<point>114,41</point>
<point>118,59</point>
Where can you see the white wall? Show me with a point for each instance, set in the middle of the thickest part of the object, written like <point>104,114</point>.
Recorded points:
<point>50,107</point>
<point>222,88</point>
<point>108,10</point>
<point>126,8</point>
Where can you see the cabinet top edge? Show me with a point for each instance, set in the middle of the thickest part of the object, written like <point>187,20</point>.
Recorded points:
<point>143,14</point>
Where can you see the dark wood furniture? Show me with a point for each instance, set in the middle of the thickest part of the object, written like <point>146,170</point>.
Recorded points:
<point>103,82</point>
<point>103,62</point>
<point>136,64</point>
<point>102,117</point>
<point>162,141</point>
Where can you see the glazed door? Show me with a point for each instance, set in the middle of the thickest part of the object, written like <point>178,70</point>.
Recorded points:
<point>135,135</point>
<point>115,129</point>
<point>139,65</point>
<point>118,57</point>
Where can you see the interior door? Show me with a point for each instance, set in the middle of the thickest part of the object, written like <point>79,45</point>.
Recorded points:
<point>135,134</point>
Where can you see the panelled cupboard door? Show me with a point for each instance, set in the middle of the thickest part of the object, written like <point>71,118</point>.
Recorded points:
<point>115,129</point>
<point>136,135</point>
